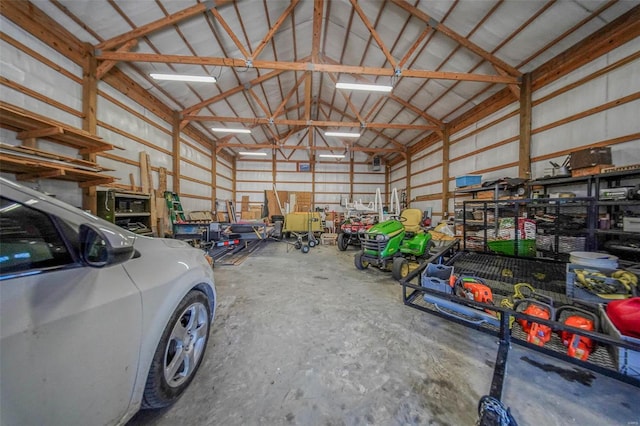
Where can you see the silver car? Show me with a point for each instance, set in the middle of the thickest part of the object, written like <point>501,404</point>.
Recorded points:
<point>95,321</point>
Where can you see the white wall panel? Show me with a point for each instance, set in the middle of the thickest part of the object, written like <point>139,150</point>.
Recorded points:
<point>330,178</point>
<point>191,171</point>
<point>257,177</point>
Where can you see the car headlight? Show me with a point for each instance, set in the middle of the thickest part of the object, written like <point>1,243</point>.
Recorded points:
<point>381,237</point>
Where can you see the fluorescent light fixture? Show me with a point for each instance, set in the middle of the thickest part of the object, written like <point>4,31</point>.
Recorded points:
<point>190,78</point>
<point>257,154</point>
<point>369,87</point>
<point>230,130</point>
<point>331,155</point>
<point>342,134</point>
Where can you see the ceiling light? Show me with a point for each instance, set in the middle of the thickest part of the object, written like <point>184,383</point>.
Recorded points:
<point>230,130</point>
<point>369,87</point>
<point>342,134</point>
<point>190,78</point>
<point>331,155</point>
<point>257,154</point>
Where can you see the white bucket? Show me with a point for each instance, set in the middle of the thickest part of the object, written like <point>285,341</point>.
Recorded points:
<point>594,259</point>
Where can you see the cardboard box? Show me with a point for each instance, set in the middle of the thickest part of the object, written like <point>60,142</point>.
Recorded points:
<point>590,157</point>
<point>593,170</point>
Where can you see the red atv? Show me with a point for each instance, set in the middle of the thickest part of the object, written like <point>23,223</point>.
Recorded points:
<point>352,229</point>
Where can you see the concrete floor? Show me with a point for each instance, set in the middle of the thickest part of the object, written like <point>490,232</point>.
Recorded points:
<point>307,339</point>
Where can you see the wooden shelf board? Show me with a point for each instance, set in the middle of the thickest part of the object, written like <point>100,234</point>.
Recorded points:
<point>27,169</point>
<point>35,125</point>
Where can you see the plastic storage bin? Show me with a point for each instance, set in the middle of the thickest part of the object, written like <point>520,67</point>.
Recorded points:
<point>574,291</point>
<point>627,361</point>
<point>526,248</point>
<point>468,180</point>
<point>436,277</point>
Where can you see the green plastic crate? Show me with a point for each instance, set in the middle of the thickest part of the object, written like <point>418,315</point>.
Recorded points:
<point>526,248</point>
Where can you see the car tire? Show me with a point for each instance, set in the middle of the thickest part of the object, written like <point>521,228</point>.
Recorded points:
<point>312,243</point>
<point>173,367</point>
<point>343,242</point>
<point>400,268</point>
<point>305,249</point>
<point>358,260</point>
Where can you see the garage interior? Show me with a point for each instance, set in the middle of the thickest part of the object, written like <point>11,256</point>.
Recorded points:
<point>512,127</point>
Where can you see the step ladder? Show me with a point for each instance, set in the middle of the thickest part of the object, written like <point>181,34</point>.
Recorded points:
<point>176,213</point>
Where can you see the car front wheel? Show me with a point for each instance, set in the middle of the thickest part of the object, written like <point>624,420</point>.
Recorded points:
<point>180,351</point>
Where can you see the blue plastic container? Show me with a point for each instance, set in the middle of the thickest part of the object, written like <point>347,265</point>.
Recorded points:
<point>468,180</point>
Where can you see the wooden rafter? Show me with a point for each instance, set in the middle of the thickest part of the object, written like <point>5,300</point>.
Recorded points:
<point>301,66</point>
<point>289,95</point>
<point>230,33</point>
<point>261,104</point>
<point>457,37</point>
<point>417,110</point>
<point>194,108</point>
<point>313,148</point>
<point>373,108</point>
<point>318,8</point>
<point>274,28</point>
<point>285,122</point>
<point>414,47</point>
<point>374,34</point>
<point>374,131</point>
<point>307,96</point>
<point>347,100</point>
<point>159,24</point>
<point>105,66</point>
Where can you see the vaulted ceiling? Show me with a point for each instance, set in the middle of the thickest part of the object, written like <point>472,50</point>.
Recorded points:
<point>277,61</point>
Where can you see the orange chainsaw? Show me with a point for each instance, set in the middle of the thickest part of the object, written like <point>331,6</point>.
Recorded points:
<point>473,288</point>
<point>577,346</point>
<point>538,334</point>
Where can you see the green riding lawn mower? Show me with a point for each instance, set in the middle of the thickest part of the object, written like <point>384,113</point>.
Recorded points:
<point>398,245</point>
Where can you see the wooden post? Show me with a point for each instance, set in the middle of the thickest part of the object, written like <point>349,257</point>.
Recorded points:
<point>274,169</point>
<point>524,156</point>
<point>408,190</point>
<point>387,185</point>
<point>312,164</point>
<point>176,153</point>
<point>90,121</point>
<point>445,171</point>
<point>351,167</point>
<point>214,177</point>
<point>234,171</point>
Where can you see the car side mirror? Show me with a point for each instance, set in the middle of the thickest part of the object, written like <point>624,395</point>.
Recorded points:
<point>100,247</point>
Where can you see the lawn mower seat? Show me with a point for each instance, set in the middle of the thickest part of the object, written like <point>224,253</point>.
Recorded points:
<point>411,221</point>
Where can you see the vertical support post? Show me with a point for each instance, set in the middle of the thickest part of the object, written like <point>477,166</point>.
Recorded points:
<point>274,168</point>
<point>214,176</point>
<point>445,171</point>
<point>524,159</point>
<point>176,153</point>
<point>351,174</point>
<point>312,161</point>
<point>387,185</point>
<point>234,171</point>
<point>408,180</point>
<point>90,121</point>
